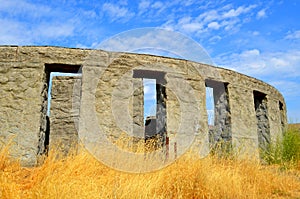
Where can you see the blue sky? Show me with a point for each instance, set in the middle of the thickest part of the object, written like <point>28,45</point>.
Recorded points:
<point>258,38</point>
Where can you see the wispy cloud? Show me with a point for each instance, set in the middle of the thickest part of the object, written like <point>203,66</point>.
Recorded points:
<point>287,87</point>
<point>149,89</point>
<point>139,40</point>
<point>117,12</point>
<point>21,7</point>
<point>13,33</point>
<point>55,30</point>
<point>31,23</point>
<point>214,25</point>
<point>261,14</point>
<point>225,18</point>
<point>143,6</point>
<point>279,69</point>
<point>261,64</point>
<point>237,12</point>
<point>293,35</point>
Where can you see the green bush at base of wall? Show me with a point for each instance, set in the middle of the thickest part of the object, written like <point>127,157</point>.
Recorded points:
<point>285,151</point>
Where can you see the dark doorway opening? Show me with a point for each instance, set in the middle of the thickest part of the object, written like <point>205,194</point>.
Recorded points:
<point>155,125</point>
<point>45,121</point>
<point>263,127</point>
<point>281,112</point>
<point>219,116</point>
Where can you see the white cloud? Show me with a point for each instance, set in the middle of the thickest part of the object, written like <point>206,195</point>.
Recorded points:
<point>159,11</point>
<point>250,53</point>
<point>28,23</point>
<point>279,62</point>
<point>261,14</point>
<point>149,89</point>
<point>116,12</point>
<point>55,30</point>
<point>231,25</point>
<point>191,27</point>
<point>188,2</point>
<point>279,69</point>
<point>204,4</point>
<point>293,35</point>
<point>289,89</point>
<point>208,16</point>
<point>143,6</point>
<point>157,5</point>
<point>22,7</point>
<point>225,18</point>
<point>236,12</point>
<point>214,25</point>
<point>267,64</point>
<point>14,33</point>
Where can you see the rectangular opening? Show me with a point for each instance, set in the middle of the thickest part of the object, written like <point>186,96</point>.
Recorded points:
<point>154,101</point>
<point>218,111</point>
<point>150,100</point>
<point>46,128</point>
<point>263,127</point>
<point>281,112</point>
<point>150,106</point>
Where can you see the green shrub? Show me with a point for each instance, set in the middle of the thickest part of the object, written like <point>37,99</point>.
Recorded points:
<point>285,151</point>
<point>273,154</point>
<point>291,146</point>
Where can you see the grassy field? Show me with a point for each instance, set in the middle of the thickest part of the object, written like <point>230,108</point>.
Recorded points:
<point>295,126</point>
<point>82,176</point>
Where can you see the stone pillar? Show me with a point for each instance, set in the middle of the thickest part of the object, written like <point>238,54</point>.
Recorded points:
<point>161,114</point>
<point>138,108</point>
<point>44,121</point>
<point>243,121</point>
<point>173,122</point>
<point>64,113</point>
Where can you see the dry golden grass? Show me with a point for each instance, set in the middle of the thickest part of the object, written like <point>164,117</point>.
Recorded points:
<point>294,126</point>
<point>82,176</point>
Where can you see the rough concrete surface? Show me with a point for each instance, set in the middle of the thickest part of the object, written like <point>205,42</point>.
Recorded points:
<point>109,98</point>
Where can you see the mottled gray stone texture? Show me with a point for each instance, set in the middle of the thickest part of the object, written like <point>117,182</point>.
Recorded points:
<point>64,112</point>
<point>248,112</point>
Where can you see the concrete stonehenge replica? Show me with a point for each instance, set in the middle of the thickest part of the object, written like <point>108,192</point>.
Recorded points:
<point>107,96</point>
